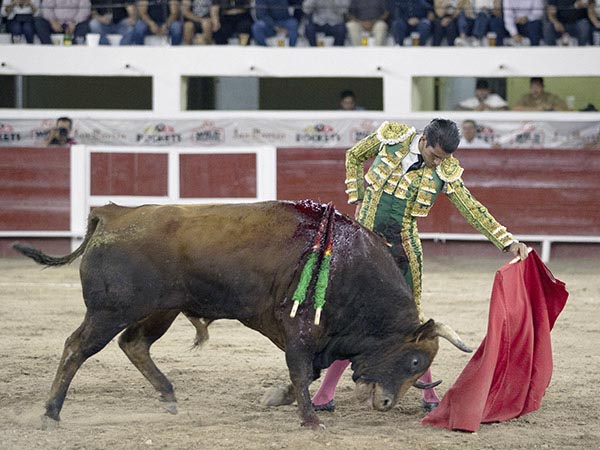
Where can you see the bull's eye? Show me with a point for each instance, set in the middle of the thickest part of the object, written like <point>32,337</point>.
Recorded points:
<point>415,362</point>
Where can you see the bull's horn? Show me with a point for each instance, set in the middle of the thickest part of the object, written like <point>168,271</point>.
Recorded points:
<point>443,330</point>
<point>420,385</point>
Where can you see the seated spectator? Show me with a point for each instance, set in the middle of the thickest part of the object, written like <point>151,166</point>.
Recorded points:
<point>538,99</point>
<point>469,138</point>
<point>410,16</point>
<point>567,18</point>
<point>348,101</point>
<point>328,17</point>
<point>158,18</point>
<point>231,18</point>
<point>19,18</point>
<point>523,18</point>
<point>296,7</point>
<point>367,17</point>
<point>488,18</point>
<point>484,99</point>
<point>450,22</point>
<point>70,17</point>
<point>594,16</point>
<point>273,17</point>
<point>113,17</point>
<point>61,133</point>
<point>197,25</point>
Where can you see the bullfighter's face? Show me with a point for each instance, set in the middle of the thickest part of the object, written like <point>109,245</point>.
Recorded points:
<point>387,375</point>
<point>432,156</point>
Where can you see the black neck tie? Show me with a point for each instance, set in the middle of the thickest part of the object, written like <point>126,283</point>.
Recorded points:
<point>418,164</point>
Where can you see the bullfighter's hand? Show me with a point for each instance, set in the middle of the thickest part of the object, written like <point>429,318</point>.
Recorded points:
<point>519,249</point>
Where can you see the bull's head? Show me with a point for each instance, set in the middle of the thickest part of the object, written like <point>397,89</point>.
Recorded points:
<point>383,376</point>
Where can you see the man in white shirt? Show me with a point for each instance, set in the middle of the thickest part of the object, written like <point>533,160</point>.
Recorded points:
<point>484,99</point>
<point>523,18</point>
<point>469,137</point>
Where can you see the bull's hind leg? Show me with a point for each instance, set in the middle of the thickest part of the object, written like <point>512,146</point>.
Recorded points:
<point>136,342</point>
<point>91,337</point>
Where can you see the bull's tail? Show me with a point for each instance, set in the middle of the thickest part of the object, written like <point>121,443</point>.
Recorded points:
<point>41,258</point>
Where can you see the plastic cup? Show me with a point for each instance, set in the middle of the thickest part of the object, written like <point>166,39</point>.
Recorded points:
<point>92,39</point>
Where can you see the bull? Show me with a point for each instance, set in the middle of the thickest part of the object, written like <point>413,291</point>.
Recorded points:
<point>143,266</point>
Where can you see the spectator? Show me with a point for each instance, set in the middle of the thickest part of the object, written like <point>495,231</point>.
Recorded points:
<point>488,18</point>
<point>348,101</point>
<point>231,18</point>
<point>296,7</point>
<point>484,99</point>
<point>450,21</point>
<point>523,18</point>
<point>63,16</point>
<point>367,17</point>
<point>594,16</point>
<point>158,18</point>
<point>61,133</point>
<point>567,18</point>
<point>273,17</point>
<point>538,99</point>
<point>113,17</point>
<point>197,25</point>
<point>19,18</point>
<point>469,138</point>
<point>326,16</point>
<point>411,16</point>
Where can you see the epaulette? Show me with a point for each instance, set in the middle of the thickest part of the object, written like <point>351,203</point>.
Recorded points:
<point>392,133</point>
<point>449,170</point>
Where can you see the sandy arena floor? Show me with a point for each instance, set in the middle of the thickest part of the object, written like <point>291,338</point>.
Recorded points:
<point>111,406</point>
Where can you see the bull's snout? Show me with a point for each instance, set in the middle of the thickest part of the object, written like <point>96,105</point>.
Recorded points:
<point>374,395</point>
<point>382,399</point>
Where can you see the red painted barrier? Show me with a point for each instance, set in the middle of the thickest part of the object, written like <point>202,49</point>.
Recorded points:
<point>530,191</point>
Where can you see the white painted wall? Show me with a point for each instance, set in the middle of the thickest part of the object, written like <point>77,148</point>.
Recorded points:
<point>396,65</point>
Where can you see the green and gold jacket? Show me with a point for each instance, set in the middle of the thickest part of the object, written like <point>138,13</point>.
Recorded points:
<point>418,188</point>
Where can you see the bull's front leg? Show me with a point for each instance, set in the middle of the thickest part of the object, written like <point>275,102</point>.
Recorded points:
<point>300,365</point>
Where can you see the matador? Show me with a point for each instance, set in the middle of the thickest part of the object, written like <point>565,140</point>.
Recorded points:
<point>409,171</point>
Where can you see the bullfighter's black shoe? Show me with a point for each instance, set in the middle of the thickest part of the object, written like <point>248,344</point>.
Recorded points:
<point>429,406</point>
<point>329,406</point>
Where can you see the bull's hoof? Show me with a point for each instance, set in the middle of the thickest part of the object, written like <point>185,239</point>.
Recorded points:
<point>314,425</point>
<point>329,406</point>
<point>170,407</point>
<point>49,424</point>
<point>429,406</point>
<point>278,396</point>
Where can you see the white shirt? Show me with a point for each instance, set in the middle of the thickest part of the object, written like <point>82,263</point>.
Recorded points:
<point>513,9</point>
<point>413,154</point>
<point>480,5</point>
<point>19,9</point>
<point>492,100</point>
<point>477,142</point>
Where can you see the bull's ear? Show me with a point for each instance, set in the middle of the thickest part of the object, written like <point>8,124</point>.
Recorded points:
<point>425,331</point>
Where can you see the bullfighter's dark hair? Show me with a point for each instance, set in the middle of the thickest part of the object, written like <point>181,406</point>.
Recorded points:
<point>443,132</point>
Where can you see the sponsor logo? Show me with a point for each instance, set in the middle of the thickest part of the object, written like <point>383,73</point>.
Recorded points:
<point>40,134</point>
<point>8,133</point>
<point>318,133</point>
<point>258,135</point>
<point>208,134</point>
<point>361,131</point>
<point>99,136</point>
<point>159,134</point>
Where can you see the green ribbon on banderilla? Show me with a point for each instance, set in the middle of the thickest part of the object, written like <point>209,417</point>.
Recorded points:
<point>323,270</point>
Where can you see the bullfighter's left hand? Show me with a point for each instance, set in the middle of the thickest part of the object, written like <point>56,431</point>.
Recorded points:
<point>519,249</point>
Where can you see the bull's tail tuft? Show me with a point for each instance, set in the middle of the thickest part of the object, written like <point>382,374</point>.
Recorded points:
<point>41,258</point>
